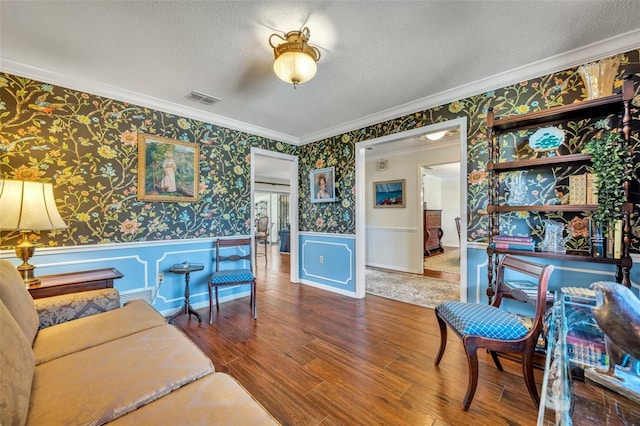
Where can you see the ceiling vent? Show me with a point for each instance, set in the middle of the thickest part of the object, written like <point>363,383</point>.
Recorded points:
<point>202,98</point>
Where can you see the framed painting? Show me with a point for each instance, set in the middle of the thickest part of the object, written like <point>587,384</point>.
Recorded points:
<point>168,169</point>
<point>389,193</point>
<point>322,185</point>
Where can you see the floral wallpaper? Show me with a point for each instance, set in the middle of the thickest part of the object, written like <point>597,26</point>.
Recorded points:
<point>87,146</point>
<point>549,91</point>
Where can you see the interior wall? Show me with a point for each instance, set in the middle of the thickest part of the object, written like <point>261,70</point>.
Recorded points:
<point>444,194</point>
<point>394,234</point>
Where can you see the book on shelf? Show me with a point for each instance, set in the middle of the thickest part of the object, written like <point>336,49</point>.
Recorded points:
<point>514,246</point>
<point>583,189</point>
<point>617,240</point>
<point>608,252</point>
<point>592,188</point>
<point>512,238</point>
<point>578,189</point>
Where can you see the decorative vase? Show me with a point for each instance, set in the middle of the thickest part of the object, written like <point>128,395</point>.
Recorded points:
<point>516,183</point>
<point>598,77</point>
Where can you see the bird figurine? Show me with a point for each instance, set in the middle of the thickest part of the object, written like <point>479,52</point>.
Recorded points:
<point>617,313</point>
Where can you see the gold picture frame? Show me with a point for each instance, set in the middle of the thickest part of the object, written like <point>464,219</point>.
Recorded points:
<point>168,169</point>
<point>389,193</point>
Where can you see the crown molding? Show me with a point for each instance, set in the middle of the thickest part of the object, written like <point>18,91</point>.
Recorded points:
<point>591,52</point>
<point>124,95</point>
<point>601,49</point>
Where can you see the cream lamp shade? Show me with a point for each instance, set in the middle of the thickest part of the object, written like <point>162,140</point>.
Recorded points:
<point>295,60</point>
<point>28,206</point>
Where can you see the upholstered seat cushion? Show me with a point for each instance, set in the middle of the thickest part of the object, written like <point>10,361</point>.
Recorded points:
<point>231,276</point>
<point>481,320</point>
<point>216,399</point>
<point>101,383</point>
<point>87,332</point>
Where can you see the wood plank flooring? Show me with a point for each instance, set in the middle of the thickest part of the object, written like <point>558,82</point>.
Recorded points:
<point>317,358</point>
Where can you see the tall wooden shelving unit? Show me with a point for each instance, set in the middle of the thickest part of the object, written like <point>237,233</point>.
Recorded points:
<point>618,105</point>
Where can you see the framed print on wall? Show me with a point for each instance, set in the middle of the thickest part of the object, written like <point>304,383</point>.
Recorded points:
<point>389,193</point>
<point>168,169</point>
<point>322,185</point>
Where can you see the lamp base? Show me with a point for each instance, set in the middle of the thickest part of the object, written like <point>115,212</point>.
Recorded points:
<point>26,272</point>
<point>25,251</point>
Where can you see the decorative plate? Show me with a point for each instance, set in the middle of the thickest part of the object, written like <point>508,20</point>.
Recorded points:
<point>546,139</point>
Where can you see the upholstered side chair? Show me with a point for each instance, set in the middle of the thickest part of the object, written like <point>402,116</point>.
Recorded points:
<point>233,267</point>
<point>495,329</point>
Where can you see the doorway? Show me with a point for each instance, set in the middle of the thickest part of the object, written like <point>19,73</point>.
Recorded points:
<point>274,187</point>
<point>413,243</point>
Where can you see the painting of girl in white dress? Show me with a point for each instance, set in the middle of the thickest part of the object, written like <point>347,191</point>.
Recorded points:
<point>168,169</point>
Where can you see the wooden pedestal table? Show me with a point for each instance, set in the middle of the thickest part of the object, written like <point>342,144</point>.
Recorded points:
<point>186,269</point>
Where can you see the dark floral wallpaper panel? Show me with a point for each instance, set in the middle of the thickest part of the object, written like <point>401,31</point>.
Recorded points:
<point>561,88</point>
<point>87,146</point>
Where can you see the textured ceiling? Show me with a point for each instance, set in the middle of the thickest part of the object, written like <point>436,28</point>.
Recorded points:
<point>378,58</point>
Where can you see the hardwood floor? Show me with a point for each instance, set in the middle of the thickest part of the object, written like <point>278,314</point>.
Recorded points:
<point>318,358</point>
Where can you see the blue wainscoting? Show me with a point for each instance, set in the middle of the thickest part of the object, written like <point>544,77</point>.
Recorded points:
<point>141,263</point>
<point>565,274</point>
<point>328,261</point>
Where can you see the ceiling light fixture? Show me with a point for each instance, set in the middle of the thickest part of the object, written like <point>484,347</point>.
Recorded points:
<point>436,135</point>
<point>295,59</point>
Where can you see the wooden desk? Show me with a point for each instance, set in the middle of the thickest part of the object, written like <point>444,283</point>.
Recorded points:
<point>73,282</point>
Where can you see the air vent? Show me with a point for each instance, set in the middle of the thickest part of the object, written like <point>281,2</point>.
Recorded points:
<point>202,98</point>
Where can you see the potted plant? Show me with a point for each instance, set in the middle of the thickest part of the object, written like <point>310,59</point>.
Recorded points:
<point>610,164</point>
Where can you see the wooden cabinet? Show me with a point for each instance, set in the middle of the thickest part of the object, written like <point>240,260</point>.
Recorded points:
<point>432,220</point>
<point>73,282</point>
<point>511,155</point>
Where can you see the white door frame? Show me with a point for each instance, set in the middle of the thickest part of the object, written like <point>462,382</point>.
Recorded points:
<point>361,243</point>
<point>293,204</point>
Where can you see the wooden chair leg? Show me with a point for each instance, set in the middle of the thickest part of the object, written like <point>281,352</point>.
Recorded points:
<point>472,360</point>
<point>443,339</point>
<point>254,304</point>
<point>529,380</point>
<point>496,361</point>
<point>210,304</point>
<point>217,303</point>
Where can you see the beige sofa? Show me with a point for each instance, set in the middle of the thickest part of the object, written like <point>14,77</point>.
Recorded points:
<point>83,359</point>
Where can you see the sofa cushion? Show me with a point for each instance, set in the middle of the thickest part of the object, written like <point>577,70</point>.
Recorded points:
<point>67,307</point>
<point>73,336</point>
<point>17,299</point>
<point>16,370</point>
<point>101,383</point>
<point>216,399</point>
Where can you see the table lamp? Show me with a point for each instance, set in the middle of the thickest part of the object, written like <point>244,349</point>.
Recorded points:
<point>28,206</point>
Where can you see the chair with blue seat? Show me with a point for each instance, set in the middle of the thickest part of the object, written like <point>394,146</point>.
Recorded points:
<point>496,330</point>
<point>236,253</point>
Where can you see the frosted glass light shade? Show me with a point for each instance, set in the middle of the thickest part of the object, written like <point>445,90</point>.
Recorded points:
<point>436,135</point>
<point>295,67</point>
<point>28,206</point>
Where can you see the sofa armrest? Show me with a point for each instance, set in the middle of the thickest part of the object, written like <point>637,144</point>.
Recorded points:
<point>58,309</point>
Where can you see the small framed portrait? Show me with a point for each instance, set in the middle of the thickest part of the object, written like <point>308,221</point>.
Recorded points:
<point>389,193</point>
<point>322,184</point>
<point>168,169</point>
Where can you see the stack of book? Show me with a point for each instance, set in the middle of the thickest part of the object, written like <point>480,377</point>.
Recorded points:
<point>510,242</point>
